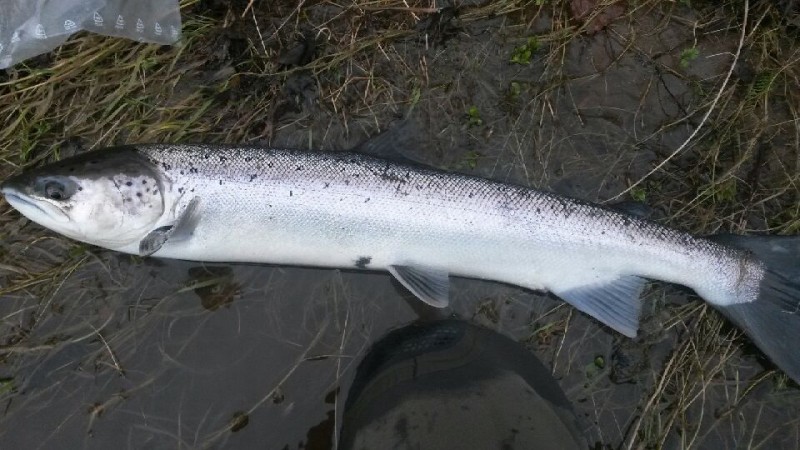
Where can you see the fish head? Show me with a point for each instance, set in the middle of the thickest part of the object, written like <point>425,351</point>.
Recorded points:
<point>107,198</point>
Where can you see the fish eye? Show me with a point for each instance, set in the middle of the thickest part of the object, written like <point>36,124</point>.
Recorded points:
<point>55,190</point>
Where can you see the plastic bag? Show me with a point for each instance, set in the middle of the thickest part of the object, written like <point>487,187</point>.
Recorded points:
<point>32,27</point>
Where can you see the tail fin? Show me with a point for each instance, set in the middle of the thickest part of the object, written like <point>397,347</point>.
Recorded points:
<point>772,321</point>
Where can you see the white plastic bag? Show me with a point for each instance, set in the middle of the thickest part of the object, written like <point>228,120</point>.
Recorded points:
<point>31,27</point>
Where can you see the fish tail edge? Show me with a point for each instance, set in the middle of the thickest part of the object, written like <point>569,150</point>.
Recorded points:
<point>772,320</point>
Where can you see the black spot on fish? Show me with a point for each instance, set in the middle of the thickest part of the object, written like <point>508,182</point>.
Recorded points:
<point>182,173</point>
<point>269,165</point>
<point>80,188</point>
<point>299,168</point>
<point>206,156</point>
<point>253,177</point>
<point>144,181</point>
<point>139,194</point>
<point>129,183</point>
<point>290,193</point>
<point>180,190</point>
<point>222,159</point>
<point>365,201</point>
<point>363,261</point>
<point>327,184</point>
<point>220,182</point>
<point>248,158</point>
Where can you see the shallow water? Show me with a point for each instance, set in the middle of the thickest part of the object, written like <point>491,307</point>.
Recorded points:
<point>168,365</point>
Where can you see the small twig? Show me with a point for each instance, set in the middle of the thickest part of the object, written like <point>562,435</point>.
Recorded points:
<point>285,21</point>
<point>401,8</point>
<point>258,30</point>
<point>563,339</point>
<point>110,352</point>
<point>338,378</point>
<point>249,6</point>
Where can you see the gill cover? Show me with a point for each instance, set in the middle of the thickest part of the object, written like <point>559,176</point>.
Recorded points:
<point>108,198</point>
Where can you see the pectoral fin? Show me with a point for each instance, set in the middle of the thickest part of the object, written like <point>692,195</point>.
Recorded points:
<point>181,230</point>
<point>432,286</point>
<point>154,240</point>
<point>615,303</point>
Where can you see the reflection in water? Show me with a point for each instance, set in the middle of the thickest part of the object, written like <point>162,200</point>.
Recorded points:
<point>320,436</point>
<point>214,285</point>
<point>451,384</point>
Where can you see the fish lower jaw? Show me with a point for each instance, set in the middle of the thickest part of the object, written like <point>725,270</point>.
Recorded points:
<point>44,215</point>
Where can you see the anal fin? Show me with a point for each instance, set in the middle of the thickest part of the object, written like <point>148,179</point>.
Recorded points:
<point>616,302</point>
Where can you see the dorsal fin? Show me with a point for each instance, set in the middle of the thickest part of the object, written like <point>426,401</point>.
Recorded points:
<point>392,144</point>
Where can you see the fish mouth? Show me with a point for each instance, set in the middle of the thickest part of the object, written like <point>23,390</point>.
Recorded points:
<point>30,208</point>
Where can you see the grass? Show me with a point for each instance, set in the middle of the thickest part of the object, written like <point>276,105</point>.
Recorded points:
<point>692,109</point>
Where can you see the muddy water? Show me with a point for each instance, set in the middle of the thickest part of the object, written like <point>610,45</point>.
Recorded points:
<point>169,354</point>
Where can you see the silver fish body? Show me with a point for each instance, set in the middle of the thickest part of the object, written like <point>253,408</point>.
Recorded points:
<point>350,210</point>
